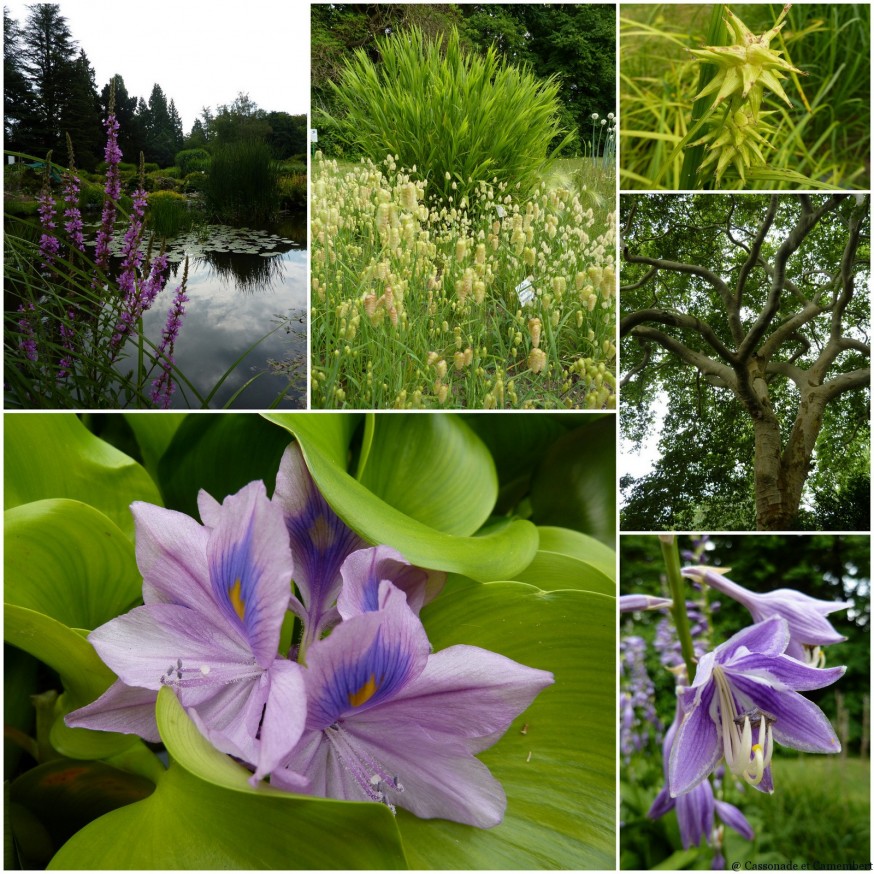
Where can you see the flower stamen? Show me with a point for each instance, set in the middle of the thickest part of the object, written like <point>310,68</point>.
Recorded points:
<point>371,776</point>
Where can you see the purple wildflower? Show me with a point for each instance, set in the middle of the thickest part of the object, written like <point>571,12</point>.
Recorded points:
<point>27,343</point>
<point>163,387</point>
<point>112,189</point>
<point>48,242</point>
<point>68,335</point>
<point>743,699</point>
<point>73,223</point>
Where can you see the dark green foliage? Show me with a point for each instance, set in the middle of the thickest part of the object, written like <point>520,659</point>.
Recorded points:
<point>242,184</point>
<point>192,160</point>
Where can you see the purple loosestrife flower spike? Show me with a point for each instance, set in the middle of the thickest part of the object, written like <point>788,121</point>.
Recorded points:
<point>697,809</point>
<point>163,387</point>
<point>808,627</point>
<point>73,223</point>
<point>321,542</point>
<point>49,245</point>
<point>214,602</point>
<point>637,603</point>
<point>389,722</point>
<point>27,343</point>
<point>743,699</point>
<point>112,189</point>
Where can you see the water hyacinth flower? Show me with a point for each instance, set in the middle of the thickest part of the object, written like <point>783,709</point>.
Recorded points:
<point>745,697</point>
<point>808,627</point>
<point>322,542</point>
<point>390,722</point>
<point>215,597</point>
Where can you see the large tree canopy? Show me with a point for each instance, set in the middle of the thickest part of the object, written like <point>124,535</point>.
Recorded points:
<point>746,318</point>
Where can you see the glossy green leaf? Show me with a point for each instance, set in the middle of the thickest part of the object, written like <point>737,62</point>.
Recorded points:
<point>581,546</point>
<point>220,454</point>
<point>557,760</point>
<point>83,674</point>
<point>331,431</point>
<point>55,456</point>
<point>495,555</point>
<point>433,468</point>
<point>204,815</point>
<point>570,560</point>
<point>154,434</point>
<point>69,561</point>
<point>575,486</point>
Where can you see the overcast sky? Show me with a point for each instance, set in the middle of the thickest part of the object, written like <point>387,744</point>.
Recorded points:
<point>201,52</point>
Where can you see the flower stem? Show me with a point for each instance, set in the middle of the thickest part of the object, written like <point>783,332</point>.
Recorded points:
<point>671,555</point>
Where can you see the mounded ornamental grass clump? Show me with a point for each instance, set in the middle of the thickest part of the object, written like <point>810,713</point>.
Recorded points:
<point>455,119</point>
<point>168,213</point>
<point>425,306</point>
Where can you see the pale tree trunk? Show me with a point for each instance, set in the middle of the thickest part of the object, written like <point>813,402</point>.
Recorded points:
<point>780,472</point>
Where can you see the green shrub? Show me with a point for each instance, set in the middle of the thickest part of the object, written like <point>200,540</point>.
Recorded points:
<point>293,190</point>
<point>151,167</point>
<point>192,160</point>
<point>459,119</point>
<point>168,213</point>
<point>242,183</point>
<point>160,181</point>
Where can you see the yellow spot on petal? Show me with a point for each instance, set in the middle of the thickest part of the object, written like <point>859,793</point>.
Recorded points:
<point>320,532</point>
<point>365,693</point>
<point>237,601</point>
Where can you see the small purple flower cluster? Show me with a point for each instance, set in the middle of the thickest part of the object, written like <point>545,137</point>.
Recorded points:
<point>360,709</point>
<point>112,190</point>
<point>49,244</point>
<point>163,387</point>
<point>639,722</point>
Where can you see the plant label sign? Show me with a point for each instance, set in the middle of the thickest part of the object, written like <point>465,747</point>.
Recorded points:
<point>525,291</point>
<point>314,135</point>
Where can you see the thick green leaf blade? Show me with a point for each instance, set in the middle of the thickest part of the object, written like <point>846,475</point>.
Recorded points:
<point>575,486</point>
<point>204,815</point>
<point>552,570</point>
<point>219,454</point>
<point>69,561</point>
<point>497,555</point>
<point>433,468</point>
<point>154,434</point>
<point>557,760</point>
<point>56,456</point>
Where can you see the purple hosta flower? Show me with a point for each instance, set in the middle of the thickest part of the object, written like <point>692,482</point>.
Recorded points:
<point>743,699</point>
<point>388,721</point>
<point>700,545</point>
<point>321,542</point>
<point>163,387</point>
<point>639,722</point>
<point>808,627</point>
<point>637,603</point>
<point>696,809</point>
<point>112,189</point>
<point>667,644</point>
<point>27,343</point>
<point>215,597</point>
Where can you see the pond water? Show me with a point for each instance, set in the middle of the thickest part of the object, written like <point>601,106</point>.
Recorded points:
<point>243,284</point>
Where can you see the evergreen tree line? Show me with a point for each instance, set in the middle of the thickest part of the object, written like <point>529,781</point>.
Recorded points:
<point>50,91</point>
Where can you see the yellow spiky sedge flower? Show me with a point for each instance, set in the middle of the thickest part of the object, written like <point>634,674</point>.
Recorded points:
<point>745,69</point>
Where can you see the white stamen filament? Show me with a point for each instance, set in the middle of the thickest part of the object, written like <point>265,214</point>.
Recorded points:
<point>369,773</point>
<point>743,758</point>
